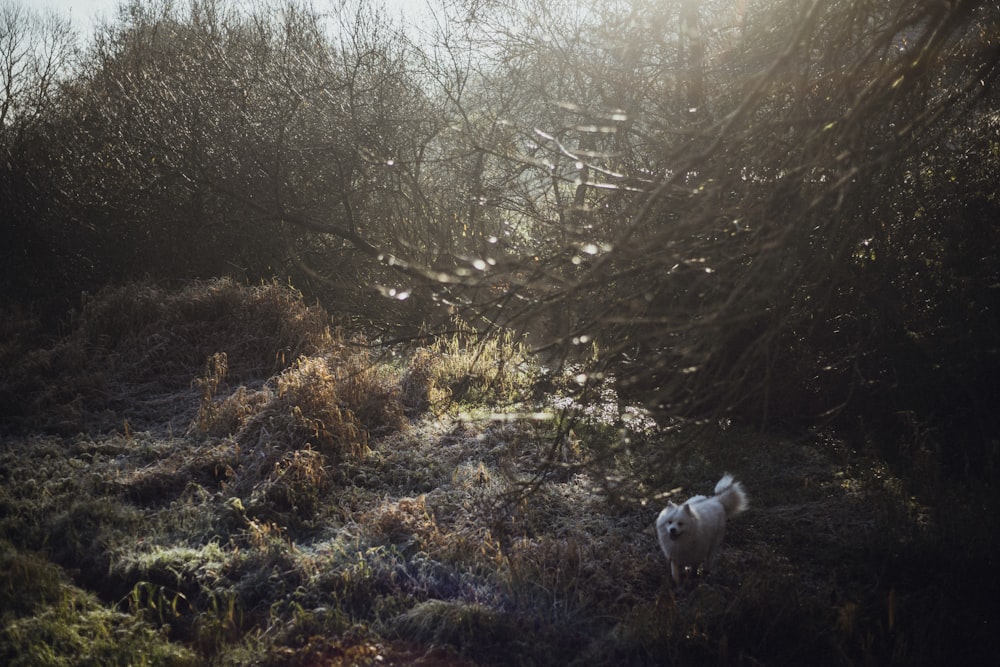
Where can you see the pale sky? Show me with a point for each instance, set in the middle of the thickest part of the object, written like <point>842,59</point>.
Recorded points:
<point>85,12</point>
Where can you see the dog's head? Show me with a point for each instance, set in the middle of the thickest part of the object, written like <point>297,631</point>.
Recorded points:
<point>678,519</point>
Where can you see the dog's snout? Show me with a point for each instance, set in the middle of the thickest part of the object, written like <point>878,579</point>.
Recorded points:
<point>674,533</point>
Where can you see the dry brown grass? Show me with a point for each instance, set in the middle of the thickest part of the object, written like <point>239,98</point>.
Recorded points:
<point>132,349</point>
<point>292,434</point>
<point>466,367</point>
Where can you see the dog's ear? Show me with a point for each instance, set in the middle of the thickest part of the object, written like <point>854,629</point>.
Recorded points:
<point>687,509</point>
<point>671,505</point>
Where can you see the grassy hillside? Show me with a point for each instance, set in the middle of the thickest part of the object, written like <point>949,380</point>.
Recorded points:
<point>216,476</point>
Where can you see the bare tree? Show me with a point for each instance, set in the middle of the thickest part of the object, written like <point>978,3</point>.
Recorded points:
<point>37,51</point>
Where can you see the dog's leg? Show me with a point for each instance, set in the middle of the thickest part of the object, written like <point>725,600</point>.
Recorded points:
<point>675,572</point>
<point>706,567</point>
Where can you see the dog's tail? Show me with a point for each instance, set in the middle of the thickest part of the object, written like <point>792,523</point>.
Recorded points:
<point>731,494</point>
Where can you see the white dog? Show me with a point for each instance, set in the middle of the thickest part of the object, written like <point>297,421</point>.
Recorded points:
<point>691,534</point>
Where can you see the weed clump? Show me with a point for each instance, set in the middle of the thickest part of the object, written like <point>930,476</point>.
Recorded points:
<point>305,408</point>
<point>472,629</point>
<point>293,433</point>
<point>468,368</point>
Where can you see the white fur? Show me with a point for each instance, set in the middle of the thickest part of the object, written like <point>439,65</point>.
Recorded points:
<point>691,534</point>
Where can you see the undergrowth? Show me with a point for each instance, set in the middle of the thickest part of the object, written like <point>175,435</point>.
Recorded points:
<point>301,501</point>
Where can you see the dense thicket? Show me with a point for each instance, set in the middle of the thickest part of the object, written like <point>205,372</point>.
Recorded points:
<point>775,210</point>
<point>800,251</point>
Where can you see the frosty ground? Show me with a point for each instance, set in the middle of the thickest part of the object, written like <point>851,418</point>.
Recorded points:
<point>217,476</point>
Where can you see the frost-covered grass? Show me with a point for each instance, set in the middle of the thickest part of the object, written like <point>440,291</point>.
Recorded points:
<point>331,508</point>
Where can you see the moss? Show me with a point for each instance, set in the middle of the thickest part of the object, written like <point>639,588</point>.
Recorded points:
<point>27,582</point>
<point>49,622</point>
<point>78,631</point>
